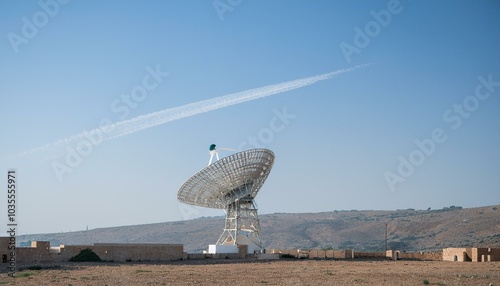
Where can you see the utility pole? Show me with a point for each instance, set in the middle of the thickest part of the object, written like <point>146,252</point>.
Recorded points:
<point>386,237</point>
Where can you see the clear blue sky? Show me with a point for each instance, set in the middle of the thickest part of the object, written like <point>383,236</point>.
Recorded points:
<point>65,67</point>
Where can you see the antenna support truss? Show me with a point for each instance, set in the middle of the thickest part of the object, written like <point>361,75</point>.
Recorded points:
<point>231,184</point>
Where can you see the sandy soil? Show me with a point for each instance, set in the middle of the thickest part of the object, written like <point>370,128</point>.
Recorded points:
<point>277,272</point>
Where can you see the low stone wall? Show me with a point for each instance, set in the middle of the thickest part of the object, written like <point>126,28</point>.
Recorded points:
<point>290,252</point>
<point>136,252</point>
<point>198,256</point>
<point>40,251</point>
<point>471,254</point>
<point>485,254</point>
<point>358,254</point>
<point>436,256</point>
<point>332,254</point>
<point>213,256</point>
<point>455,254</point>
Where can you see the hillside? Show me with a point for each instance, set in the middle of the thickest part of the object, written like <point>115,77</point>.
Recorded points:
<point>408,230</point>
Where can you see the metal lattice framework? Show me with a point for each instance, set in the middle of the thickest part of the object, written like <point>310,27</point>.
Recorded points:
<point>242,221</point>
<point>228,179</point>
<point>232,183</point>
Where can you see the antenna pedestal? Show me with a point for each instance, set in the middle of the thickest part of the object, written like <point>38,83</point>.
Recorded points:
<point>242,225</point>
<point>231,184</point>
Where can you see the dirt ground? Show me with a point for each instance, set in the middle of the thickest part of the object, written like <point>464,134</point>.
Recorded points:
<point>251,272</point>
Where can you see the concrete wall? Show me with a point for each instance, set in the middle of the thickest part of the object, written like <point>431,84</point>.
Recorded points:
<point>495,254</point>
<point>485,254</point>
<point>456,254</point>
<point>475,255</point>
<point>198,255</point>
<point>393,254</point>
<point>315,253</point>
<point>471,254</point>
<point>350,254</point>
<point>436,256</point>
<point>213,255</point>
<point>268,256</point>
<point>358,254</point>
<point>126,252</point>
<point>40,251</point>
<point>138,252</point>
<point>344,254</point>
<point>337,254</point>
<point>291,252</point>
<point>296,253</point>
<point>242,251</point>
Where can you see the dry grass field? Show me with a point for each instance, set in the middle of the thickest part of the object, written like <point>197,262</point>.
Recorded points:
<point>252,272</point>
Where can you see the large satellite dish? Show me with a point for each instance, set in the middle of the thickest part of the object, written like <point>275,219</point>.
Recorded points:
<point>231,184</point>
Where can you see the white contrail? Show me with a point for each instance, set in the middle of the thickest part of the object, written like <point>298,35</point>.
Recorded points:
<point>138,123</point>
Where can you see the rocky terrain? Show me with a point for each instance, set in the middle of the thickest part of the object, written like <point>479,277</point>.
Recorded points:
<point>408,230</point>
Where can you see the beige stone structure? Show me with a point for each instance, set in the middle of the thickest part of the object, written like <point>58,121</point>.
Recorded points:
<point>316,253</point>
<point>366,254</point>
<point>351,254</point>
<point>41,251</point>
<point>473,254</point>
<point>436,256</point>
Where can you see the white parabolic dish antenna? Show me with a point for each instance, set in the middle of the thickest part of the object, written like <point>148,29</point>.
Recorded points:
<point>231,184</point>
